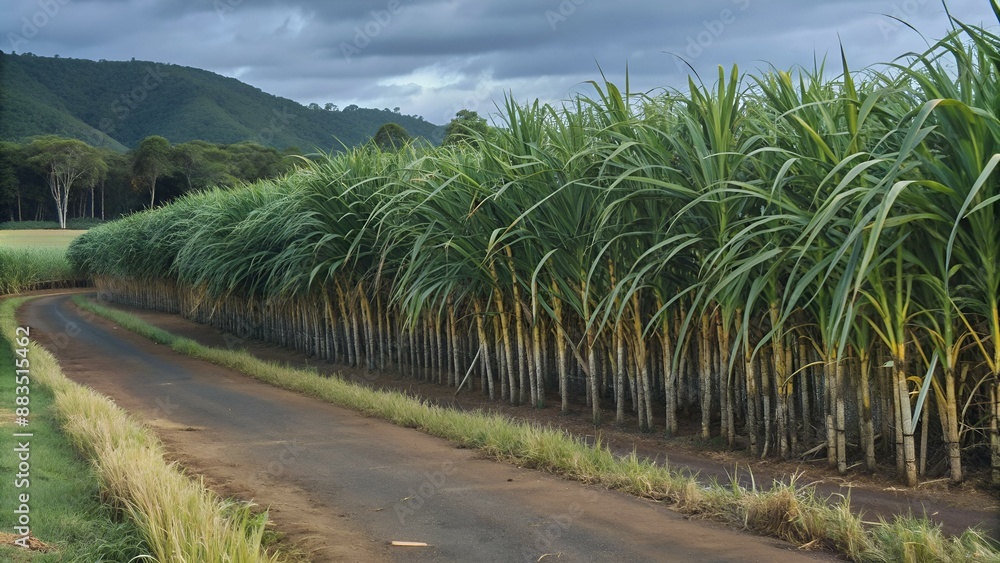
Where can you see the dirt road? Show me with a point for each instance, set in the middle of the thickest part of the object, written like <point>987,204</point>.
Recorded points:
<point>342,486</point>
<point>876,496</point>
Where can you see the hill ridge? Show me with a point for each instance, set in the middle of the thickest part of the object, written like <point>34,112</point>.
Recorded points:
<point>116,104</point>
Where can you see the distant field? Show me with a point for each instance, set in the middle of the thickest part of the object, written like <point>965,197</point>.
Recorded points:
<point>32,257</point>
<point>46,238</point>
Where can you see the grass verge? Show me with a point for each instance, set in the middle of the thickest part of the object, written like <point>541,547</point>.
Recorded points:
<point>178,519</point>
<point>787,511</point>
<point>63,491</point>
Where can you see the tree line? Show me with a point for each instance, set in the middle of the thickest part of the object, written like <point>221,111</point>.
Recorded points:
<point>119,103</point>
<point>51,178</point>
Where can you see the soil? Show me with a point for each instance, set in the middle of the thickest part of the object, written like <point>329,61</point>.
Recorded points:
<point>221,425</point>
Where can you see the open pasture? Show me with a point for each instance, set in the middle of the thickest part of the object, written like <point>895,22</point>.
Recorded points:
<point>38,238</point>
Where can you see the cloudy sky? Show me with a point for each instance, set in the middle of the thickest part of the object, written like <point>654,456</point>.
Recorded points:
<point>433,57</point>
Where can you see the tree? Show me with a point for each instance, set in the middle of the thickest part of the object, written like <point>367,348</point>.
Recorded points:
<point>150,161</point>
<point>115,177</point>
<point>96,177</point>
<point>10,195</point>
<point>249,162</point>
<point>117,195</point>
<point>467,127</point>
<point>330,106</point>
<point>65,161</point>
<point>201,164</point>
<point>391,136</point>
<point>313,106</point>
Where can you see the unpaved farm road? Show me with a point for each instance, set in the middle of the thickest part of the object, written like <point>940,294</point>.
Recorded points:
<point>342,486</point>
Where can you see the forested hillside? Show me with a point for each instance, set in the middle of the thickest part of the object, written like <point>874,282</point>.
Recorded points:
<point>116,104</point>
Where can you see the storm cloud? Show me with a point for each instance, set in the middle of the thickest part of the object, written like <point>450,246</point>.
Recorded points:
<point>433,57</point>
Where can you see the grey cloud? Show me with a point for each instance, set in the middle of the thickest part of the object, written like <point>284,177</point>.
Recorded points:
<point>431,57</point>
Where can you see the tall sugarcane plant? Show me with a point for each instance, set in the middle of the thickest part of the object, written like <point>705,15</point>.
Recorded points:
<point>796,263</point>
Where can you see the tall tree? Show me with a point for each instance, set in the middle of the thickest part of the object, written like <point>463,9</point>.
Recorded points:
<point>391,136</point>
<point>10,195</point>
<point>65,162</point>
<point>467,126</point>
<point>201,164</point>
<point>116,193</point>
<point>250,162</point>
<point>150,161</point>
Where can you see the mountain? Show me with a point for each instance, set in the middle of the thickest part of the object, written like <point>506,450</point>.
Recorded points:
<point>118,103</point>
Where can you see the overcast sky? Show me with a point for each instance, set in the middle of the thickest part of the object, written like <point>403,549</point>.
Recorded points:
<point>433,57</point>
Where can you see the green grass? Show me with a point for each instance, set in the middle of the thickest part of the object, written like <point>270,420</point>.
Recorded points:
<point>786,511</point>
<point>66,511</point>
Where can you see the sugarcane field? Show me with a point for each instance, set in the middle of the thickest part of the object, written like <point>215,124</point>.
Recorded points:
<point>754,316</point>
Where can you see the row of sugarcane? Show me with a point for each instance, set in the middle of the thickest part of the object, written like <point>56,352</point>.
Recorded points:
<point>798,264</point>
